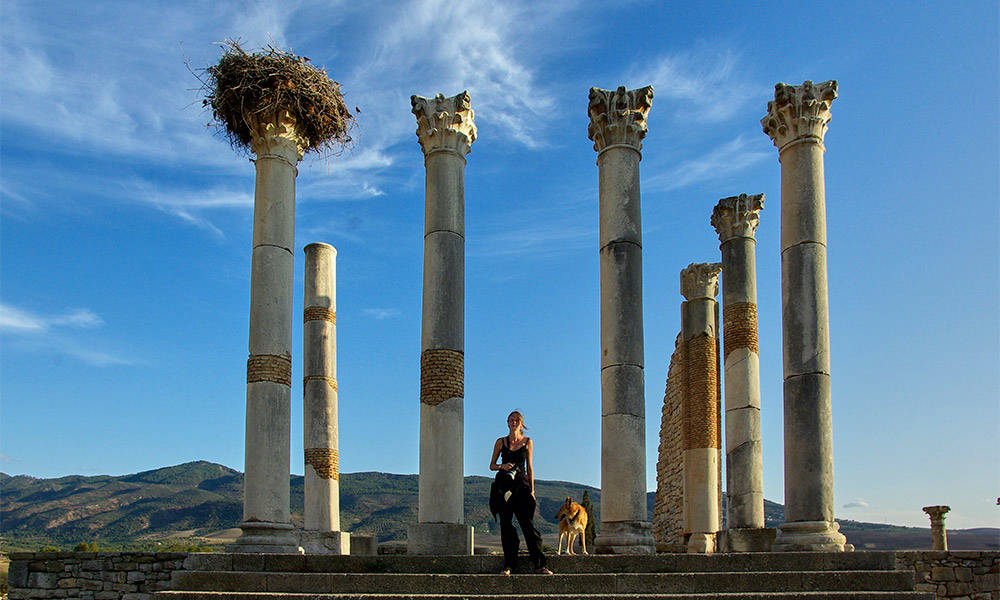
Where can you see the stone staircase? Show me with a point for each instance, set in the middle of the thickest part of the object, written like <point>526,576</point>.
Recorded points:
<point>762,576</point>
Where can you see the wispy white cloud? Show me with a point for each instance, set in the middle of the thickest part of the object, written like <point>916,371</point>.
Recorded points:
<point>48,333</point>
<point>189,205</point>
<point>381,314</point>
<point>718,163</point>
<point>706,85</point>
<point>857,503</point>
<point>13,319</point>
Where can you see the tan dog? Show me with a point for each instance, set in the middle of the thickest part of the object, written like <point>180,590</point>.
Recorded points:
<point>572,523</point>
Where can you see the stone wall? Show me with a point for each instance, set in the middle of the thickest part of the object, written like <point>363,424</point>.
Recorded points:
<point>96,575</point>
<point>668,507</point>
<point>965,575</point>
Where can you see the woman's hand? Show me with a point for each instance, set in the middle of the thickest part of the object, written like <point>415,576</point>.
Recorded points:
<point>506,466</point>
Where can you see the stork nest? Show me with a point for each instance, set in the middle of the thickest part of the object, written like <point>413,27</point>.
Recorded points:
<point>244,86</point>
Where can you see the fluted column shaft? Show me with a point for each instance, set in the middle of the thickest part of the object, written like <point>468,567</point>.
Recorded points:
<point>700,410</point>
<point>319,389</point>
<point>617,127</point>
<point>735,220</point>
<point>266,523</point>
<point>446,131</point>
<point>796,122</point>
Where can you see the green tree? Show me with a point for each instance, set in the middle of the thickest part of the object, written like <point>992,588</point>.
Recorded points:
<point>86,547</point>
<point>590,532</point>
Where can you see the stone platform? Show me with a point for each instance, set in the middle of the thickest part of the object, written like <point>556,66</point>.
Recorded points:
<point>750,576</point>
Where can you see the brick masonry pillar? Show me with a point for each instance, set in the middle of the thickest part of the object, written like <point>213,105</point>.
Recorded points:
<point>796,122</point>
<point>700,411</point>
<point>617,127</point>
<point>446,131</point>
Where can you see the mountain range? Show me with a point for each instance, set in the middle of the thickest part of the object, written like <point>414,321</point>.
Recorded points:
<point>196,499</point>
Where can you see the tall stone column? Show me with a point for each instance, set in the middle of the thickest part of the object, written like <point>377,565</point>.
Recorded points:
<point>796,122</point>
<point>700,410</point>
<point>735,220</point>
<point>446,130</point>
<point>617,127</point>
<point>319,405</point>
<point>939,536</point>
<point>266,525</point>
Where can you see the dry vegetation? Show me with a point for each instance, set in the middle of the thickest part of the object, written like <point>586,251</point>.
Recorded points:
<point>245,85</point>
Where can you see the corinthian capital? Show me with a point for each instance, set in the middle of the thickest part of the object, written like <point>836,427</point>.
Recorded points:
<point>799,111</point>
<point>700,280</point>
<point>737,216</point>
<point>445,123</point>
<point>277,134</point>
<point>618,117</point>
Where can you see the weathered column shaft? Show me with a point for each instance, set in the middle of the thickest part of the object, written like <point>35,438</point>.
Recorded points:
<point>446,130</point>
<point>617,126</point>
<point>796,122</point>
<point>735,220</point>
<point>266,524</point>
<point>319,389</point>
<point>699,337</point>
<point>939,535</point>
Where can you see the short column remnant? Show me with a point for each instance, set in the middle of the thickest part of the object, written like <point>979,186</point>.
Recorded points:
<point>796,122</point>
<point>735,220</point>
<point>321,534</point>
<point>939,536</point>
<point>266,525</point>
<point>445,130</point>
<point>700,339</point>
<point>617,127</point>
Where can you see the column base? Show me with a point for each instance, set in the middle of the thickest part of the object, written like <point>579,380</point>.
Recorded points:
<point>363,545</point>
<point>701,543</point>
<point>443,539</point>
<point>265,537</point>
<point>809,536</point>
<point>747,539</point>
<point>324,542</point>
<point>625,537</point>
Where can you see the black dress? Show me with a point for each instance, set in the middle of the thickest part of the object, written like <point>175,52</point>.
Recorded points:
<point>519,503</point>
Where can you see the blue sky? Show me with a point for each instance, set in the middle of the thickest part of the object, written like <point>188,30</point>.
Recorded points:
<point>126,228</point>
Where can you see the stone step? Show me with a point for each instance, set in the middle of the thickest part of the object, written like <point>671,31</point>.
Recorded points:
<point>597,583</point>
<point>174,595</point>
<point>488,564</point>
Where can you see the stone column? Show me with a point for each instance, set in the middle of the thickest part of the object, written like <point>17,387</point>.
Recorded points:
<point>617,127</point>
<point>735,220</point>
<point>700,410</point>
<point>939,536</point>
<point>266,524</point>
<point>319,405</point>
<point>446,130</point>
<point>796,122</point>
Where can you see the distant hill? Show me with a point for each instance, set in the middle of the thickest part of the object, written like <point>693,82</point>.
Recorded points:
<point>197,498</point>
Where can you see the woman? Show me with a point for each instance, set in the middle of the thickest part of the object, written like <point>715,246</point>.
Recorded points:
<point>513,494</point>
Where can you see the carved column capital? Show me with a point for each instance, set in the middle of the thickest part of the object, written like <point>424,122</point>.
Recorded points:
<point>445,123</point>
<point>737,216</point>
<point>936,512</point>
<point>700,280</point>
<point>277,134</point>
<point>618,117</point>
<point>799,112</point>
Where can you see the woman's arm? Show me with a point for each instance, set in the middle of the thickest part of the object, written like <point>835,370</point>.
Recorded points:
<point>531,469</point>
<point>496,454</point>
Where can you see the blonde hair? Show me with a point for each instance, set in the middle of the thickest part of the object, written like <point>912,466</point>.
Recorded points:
<point>520,418</point>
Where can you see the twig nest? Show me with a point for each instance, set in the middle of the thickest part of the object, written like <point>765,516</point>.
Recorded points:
<point>245,89</point>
